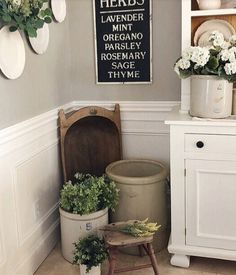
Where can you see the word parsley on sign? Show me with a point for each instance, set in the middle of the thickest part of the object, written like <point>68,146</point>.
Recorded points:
<point>123,41</point>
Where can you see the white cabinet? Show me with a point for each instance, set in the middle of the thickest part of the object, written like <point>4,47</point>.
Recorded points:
<point>203,188</point>
<point>211,203</point>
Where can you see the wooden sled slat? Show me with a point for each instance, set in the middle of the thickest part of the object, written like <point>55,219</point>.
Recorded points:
<point>90,140</point>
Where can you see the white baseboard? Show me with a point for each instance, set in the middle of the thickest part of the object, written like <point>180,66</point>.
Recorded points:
<point>30,175</point>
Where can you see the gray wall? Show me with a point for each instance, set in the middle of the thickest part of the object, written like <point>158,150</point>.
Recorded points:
<point>45,82</point>
<point>166,49</point>
<point>67,70</point>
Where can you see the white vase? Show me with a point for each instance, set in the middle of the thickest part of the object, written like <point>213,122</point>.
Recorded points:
<point>209,4</point>
<point>74,227</point>
<point>210,97</point>
<point>96,270</point>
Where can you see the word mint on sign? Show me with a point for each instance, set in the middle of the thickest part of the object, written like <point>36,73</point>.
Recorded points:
<point>123,41</point>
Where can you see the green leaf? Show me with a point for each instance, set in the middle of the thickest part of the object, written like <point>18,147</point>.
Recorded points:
<point>204,72</point>
<point>42,13</point>
<point>18,19</point>
<point>31,31</point>
<point>36,11</point>
<point>211,71</point>
<point>48,12</point>
<point>47,20</point>
<point>213,63</point>
<point>6,18</point>
<point>12,28</point>
<point>184,73</point>
<point>39,23</point>
<point>21,26</point>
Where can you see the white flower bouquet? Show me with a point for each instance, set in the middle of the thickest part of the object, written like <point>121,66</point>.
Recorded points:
<point>218,59</point>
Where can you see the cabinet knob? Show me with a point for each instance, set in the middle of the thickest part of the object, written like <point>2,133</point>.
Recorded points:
<point>200,144</point>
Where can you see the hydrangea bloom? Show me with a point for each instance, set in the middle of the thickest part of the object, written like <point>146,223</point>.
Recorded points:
<point>200,56</point>
<point>217,38</point>
<point>230,68</point>
<point>217,59</point>
<point>232,39</point>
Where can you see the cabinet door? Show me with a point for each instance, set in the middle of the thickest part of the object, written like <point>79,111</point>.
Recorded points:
<point>211,203</point>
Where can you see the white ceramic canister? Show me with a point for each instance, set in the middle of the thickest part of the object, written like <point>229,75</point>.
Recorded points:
<point>209,4</point>
<point>210,97</point>
<point>75,226</point>
<point>96,270</point>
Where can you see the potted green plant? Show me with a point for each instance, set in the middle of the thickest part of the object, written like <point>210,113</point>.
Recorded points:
<point>84,204</point>
<point>89,253</point>
<point>212,70</point>
<point>28,16</point>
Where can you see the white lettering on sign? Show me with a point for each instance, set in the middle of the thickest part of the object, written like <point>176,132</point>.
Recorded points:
<point>122,46</point>
<point>122,36</point>
<point>124,74</point>
<point>123,56</point>
<point>123,65</point>
<point>119,18</point>
<point>120,3</point>
<point>122,27</point>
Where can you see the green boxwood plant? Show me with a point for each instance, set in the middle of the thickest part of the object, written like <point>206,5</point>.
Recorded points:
<point>86,194</point>
<point>26,15</point>
<point>90,251</point>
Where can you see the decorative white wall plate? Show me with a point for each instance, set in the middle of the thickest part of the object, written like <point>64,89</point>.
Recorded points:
<point>59,9</point>
<point>12,53</point>
<point>40,43</point>
<point>212,25</point>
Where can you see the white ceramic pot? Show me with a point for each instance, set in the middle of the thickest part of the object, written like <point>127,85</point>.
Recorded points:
<point>209,4</point>
<point>74,227</point>
<point>210,97</point>
<point>94,271</point>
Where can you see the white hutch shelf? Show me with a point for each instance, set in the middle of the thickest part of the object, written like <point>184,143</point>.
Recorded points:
<point>212,12</point>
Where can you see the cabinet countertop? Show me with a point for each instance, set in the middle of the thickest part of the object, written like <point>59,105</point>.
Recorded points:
<point>176,117</point>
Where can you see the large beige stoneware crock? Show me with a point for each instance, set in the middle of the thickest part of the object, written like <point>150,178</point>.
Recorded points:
<point>142,185</point>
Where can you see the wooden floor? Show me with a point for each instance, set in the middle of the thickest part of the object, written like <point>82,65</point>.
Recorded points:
<point>56,265</point>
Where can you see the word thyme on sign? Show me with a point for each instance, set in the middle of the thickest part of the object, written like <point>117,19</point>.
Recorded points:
<point>123,41</point>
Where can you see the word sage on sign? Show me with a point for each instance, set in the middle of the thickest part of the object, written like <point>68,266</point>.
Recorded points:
<point>123,41</point>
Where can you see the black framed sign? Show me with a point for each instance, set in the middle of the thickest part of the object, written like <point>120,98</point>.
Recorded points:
<point>123,47</point>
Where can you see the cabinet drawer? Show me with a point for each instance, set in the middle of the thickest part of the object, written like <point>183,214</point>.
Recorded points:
<point>225,144</point>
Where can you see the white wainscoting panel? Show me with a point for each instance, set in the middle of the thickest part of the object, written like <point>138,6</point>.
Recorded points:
<point>30,176</point>
<point>36,193</point>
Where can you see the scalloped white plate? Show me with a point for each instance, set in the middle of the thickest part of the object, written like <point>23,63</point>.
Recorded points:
<point>203,40</point>
<point>220,25</point>
<point>40,43</point>
<point>12,53</point>
<point>59,9</point>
